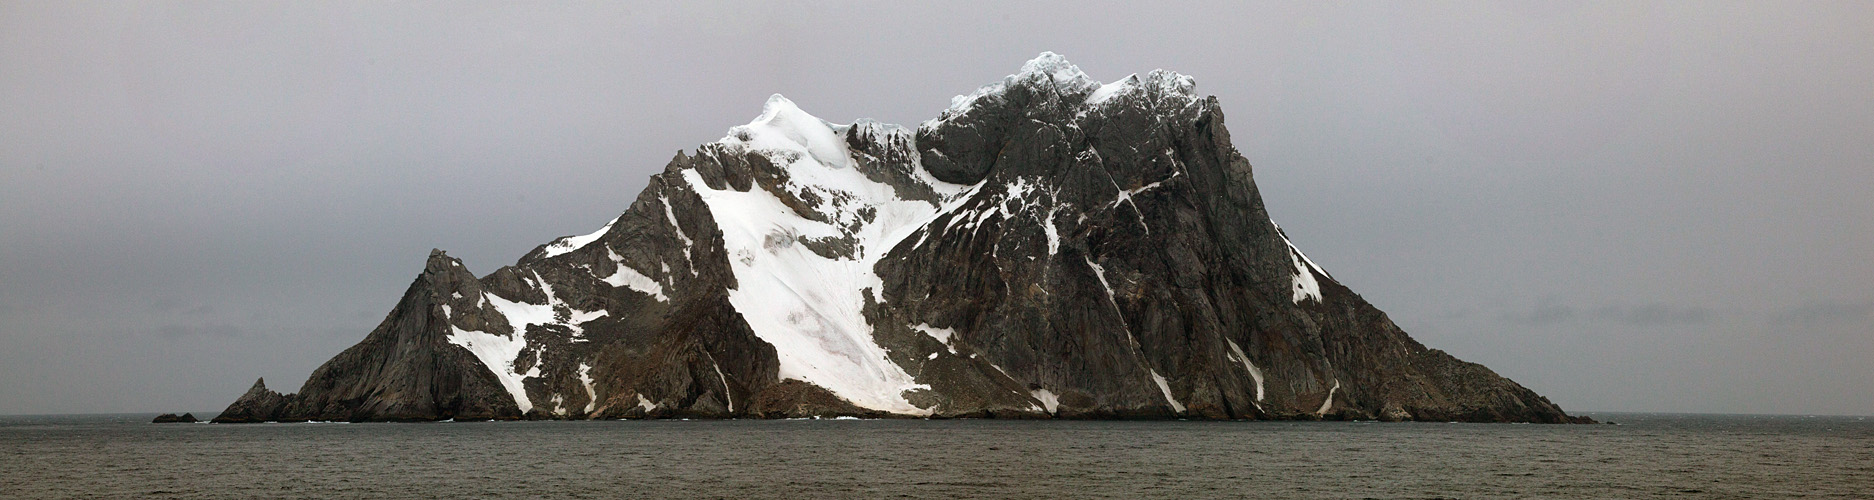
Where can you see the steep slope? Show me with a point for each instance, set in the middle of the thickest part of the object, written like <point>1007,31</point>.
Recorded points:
<point>1049,246</point>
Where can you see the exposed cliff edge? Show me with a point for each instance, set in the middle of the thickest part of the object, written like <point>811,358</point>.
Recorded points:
<point>1050,246</point>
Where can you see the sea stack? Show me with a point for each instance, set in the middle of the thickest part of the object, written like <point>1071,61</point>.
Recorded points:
<point>171,418</point>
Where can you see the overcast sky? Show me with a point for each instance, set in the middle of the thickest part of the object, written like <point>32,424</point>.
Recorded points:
<point>1626,206</point>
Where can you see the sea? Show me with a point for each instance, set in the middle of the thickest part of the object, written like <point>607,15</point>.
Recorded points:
<point>1637,456</point>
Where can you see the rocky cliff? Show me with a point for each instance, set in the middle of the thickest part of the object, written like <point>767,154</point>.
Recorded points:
<point>1049,246</point>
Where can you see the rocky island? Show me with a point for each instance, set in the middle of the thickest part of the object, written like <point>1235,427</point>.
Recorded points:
<point>1049,246</point>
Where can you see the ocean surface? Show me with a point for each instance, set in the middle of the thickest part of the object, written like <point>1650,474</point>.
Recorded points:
<point>1646,456</point>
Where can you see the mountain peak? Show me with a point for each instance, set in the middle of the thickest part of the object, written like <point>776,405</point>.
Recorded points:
<point>784,128</point>
<point>1050,246</point>
<point>1057,70</point>
<point>777,105</point>
<point>1051,74</point>
<point>1048,61</point>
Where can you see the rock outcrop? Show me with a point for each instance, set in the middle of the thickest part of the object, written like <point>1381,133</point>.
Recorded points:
<point>1049,247</point>
<point>259,404</point>
<point>171,418</point>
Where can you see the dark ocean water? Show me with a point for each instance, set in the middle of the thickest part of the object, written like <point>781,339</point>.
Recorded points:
<point>1648,456</point>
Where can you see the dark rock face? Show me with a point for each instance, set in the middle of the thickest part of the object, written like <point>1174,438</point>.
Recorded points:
<point>258,405</point>
<point>1048,247</point>
<point>171,418</point>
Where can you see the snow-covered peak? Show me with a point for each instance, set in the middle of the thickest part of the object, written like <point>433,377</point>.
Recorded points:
<point>1109,90</point>
<point>1049,68</point>
<point>1175,87</point>
<point>1068,80</point>
<point>1055,69</point>
<point>803,249</point>
<point>1171,83</point>
<point>1050,62</point>
<point>783,126</point>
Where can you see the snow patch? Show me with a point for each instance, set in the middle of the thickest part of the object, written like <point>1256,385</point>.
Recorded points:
<point>941,334</point>
<point>625,276</point>
<point>1020,194</point>
<point>522,314</point>
<point>570,243</point>
<point>497,353</point>
<point>727,396</point>
<point>1100,272</point>
<point>671,217</point>
<point>1054,234</point>
<point>1165,387</point>
<point>1329,402</point>
<point>1005,373</point>
<point>592,395</point>
<point>1125,195</point>
<point>1306,286</point>
<point>1109,90</point>
<point>953,193</point>
<point>1253,372</point>
<point>1049,400</point>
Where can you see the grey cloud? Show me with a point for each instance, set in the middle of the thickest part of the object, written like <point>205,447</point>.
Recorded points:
<point>1457,313</point>
<point>1634,315</point>
<point>1541,315</point>
<point>212,330</point>
<point>1828,313</point>
<point>1655,315</point>
<point>171,304</point>
<point>165,303</point>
